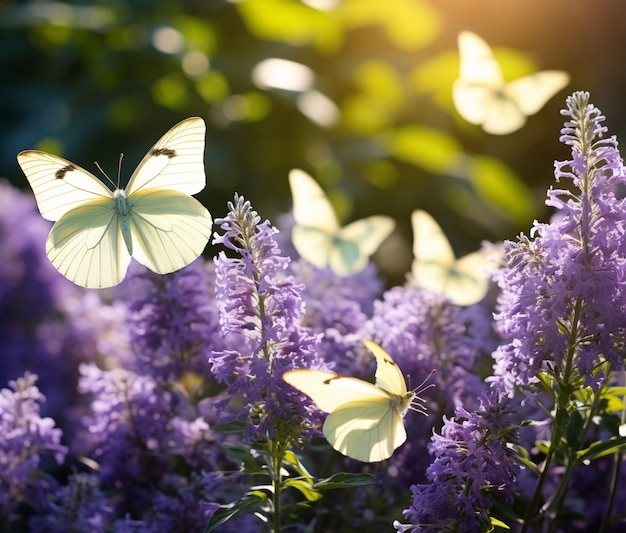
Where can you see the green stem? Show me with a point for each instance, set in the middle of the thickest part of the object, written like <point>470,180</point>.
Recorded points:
<point>571,462</point>
<point>277,481</point>
<point>564,392</point>
<point>615,475</point>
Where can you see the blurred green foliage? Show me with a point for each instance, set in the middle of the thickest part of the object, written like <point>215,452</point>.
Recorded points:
<point>374,124</point>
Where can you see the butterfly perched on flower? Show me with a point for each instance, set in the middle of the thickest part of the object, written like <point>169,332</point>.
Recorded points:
<point>482,97</point>
<point>153,219</point>
<point>365,421</point>
<point>318,237</point>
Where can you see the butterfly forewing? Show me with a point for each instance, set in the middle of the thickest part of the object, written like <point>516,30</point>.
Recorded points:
<point>59,185</point>
<point>175,162</point>
<point>330,391</point>
<point>533,92</point>
<point>477,62</point>
<point>311,207</point>
<point>388,375</point>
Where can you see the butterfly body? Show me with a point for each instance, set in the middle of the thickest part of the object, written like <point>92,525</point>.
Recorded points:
<point>153,219</point>
<point>365,421</point>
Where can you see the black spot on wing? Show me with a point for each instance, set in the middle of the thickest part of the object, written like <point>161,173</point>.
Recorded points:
<point>60,174</point>
<point>164,151</point>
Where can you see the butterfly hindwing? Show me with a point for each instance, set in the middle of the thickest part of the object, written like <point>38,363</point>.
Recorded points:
<point>366,431</point>
<point>86,246</point>
<point>169,230</point>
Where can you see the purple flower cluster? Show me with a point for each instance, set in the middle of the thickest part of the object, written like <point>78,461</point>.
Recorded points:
<point>26,439</point>
<point>260,313</point>
<point>173,322</point>
<point>563,290</point>
<point>472,459</point>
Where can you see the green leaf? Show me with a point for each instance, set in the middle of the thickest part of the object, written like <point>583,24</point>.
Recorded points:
<point>292,22</point>
<point>498,523</point>
<point>228,511</point>
<point>344,480</point>
<point>602,448</point>
<point>573,429</point>
<point>501,189</point>
<point>242,456</point>
<point>305,486</point>
<point>427,148</point>
<point>292,459</point>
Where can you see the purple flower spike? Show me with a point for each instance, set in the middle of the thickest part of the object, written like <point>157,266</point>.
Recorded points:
<point>564,286</point>
<point>260,313</point>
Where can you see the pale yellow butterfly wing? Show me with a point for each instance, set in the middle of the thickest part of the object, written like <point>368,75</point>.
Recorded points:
<point>464,281</point>
<point>479,79</point>
<point>60,185</point>
<point>175,162</point>
<point>531,93</point>
<point>356,242</point>
<point>330,391</point>
<point>169,229</point>
<point>86,246</point>
<point>315,221</point>
<point>367,431</point>
<point>477,62</point>
<point>388,375</point>
<point>311,207</point>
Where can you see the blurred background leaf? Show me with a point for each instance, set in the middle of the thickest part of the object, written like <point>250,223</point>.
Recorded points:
<point>372,117</point>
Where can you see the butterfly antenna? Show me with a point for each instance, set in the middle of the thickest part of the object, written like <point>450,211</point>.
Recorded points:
<point>104,173</point>
<point>417,404</point>
<point>119,169</point>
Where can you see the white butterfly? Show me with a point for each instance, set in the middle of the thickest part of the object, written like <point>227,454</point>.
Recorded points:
<point>435,268</point>
<point>365,421</point>
<point>482,97</point>
<point>318,237</point>
<point>154,219</point>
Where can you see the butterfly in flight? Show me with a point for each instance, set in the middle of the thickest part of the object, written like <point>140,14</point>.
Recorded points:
<point>435,268</point>
<point>153,219</point>
<point>482,97</point>
<point>365,421</point>
<point>318,237</point>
